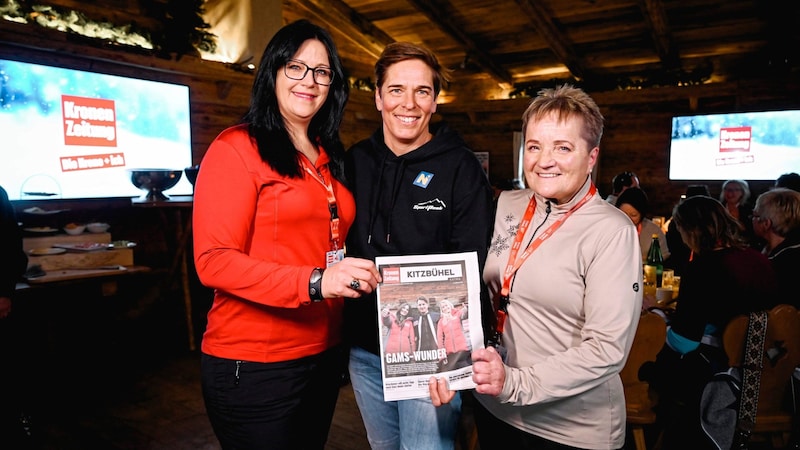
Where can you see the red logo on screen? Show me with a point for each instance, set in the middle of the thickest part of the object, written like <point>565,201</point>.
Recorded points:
<point>734,139</point>
<point>89,121</point>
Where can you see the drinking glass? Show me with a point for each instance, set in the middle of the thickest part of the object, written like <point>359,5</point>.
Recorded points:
<point>649,280</point>
<point>667,278</point>
<point>676,286</point>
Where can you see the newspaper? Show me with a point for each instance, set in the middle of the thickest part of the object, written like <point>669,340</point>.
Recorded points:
<point>414,345</point>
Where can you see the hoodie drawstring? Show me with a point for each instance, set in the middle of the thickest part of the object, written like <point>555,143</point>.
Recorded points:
<point>398,179</point>
<point>373,210</point>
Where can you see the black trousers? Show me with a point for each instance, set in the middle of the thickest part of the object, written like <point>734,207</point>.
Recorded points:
<point>282,405</point>
<point>494,434</point>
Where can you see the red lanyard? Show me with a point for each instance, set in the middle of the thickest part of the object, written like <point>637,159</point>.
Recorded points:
<point>334,224</point>
<point>515,263</point>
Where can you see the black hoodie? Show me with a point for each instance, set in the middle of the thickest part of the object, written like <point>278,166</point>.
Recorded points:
<point>434,199</point>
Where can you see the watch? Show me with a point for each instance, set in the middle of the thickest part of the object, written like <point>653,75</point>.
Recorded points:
<point>315,285</point>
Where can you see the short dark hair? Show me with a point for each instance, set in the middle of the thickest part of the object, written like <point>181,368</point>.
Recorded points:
<point>789,180</point>
<point>403,51</point>
<point>636,198</point>
<point>621,180</point>
<point>697,189</point>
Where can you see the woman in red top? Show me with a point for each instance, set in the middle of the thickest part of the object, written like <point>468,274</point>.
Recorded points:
<point>401,329</point>
<point>270,218</point>
<point>450,335</point>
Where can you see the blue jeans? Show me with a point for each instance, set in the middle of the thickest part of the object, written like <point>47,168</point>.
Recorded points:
<point>405,424</point>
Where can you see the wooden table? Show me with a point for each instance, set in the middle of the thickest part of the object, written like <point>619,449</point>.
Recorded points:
<point>54,276</point>
<point>106,277</point>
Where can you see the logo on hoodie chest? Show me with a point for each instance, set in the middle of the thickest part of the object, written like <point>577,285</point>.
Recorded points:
<point>423,179</point>
<point>430,205</point>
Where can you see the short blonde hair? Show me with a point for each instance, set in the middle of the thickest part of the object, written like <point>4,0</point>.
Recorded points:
<point>742,184</point>
<point>567,101</point>
<point>782,207</point>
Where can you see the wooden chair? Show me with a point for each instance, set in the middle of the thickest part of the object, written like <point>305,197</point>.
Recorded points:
<point>781,356</point>
<point>639,398</point>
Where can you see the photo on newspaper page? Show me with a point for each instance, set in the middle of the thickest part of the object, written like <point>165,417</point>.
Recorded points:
<point>429,321</point>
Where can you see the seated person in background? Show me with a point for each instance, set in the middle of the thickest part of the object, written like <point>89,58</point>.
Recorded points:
<point>724,279</point>
<point>502,185</point>
<point>776,219</point>
<point>735,198</point>
<point>680,253</point>
<point>633,202</point>
<point>619,183</point>
<point>789,180</point>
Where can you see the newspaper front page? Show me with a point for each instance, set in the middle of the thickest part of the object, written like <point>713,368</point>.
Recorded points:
<point>429,321</point>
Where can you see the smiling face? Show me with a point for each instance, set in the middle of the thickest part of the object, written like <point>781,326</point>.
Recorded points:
<point>299,100</point>
<point>422,306</point>
<point>557,159</point>
<point>404,310</point>
<point>406,101</point>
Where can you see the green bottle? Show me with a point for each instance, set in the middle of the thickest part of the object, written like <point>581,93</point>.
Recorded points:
<point>654,258</point>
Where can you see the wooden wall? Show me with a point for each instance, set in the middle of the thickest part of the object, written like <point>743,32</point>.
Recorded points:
<point>637,122</point>
<point>637,130</point>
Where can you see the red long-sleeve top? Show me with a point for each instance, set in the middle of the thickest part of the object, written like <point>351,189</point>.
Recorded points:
<point>257,237</point>
<point>401,335</point>
<point>450,334</point>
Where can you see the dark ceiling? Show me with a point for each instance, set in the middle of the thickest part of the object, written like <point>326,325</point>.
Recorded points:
<point>600,44</point>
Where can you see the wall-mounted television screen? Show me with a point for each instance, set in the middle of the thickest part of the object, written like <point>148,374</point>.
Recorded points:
<point>73,134</point>
<point>749,146</point>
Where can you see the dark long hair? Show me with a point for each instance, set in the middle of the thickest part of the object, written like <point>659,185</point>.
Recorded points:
<point>264,119</point>
<point>707,224</point>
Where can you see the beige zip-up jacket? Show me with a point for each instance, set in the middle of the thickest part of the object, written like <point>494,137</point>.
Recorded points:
<point>574,308</point>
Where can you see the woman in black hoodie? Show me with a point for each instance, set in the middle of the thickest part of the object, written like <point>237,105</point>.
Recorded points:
<point>419,190</point>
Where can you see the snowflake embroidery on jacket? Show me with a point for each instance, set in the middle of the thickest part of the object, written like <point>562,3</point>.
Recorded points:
<point>500,243</point>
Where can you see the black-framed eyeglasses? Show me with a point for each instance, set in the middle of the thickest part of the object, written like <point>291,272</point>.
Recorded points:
<point>297,70</point>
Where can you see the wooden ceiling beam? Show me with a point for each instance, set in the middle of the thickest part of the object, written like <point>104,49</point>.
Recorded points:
<point>335,14</point>
<point>439,12</point>
<point>556,40</point>
<point>655,16</point>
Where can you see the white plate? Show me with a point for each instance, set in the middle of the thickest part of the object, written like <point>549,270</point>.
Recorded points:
<point>46,251</point>
<point>83,246</point>
<point>41,230</point>
<point>40,211</point>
